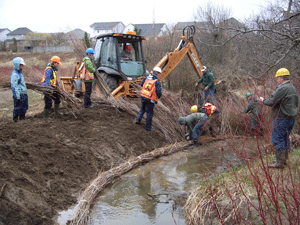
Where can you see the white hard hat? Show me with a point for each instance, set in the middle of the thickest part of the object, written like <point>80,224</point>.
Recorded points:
<point>157,69</point>
<point>22,62</point>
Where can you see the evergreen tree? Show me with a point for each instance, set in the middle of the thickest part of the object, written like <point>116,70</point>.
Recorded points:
<point>86,40</point>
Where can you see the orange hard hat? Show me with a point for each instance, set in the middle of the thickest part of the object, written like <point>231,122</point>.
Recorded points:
<point>55,59</point>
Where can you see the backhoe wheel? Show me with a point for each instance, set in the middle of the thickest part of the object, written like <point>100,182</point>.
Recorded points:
<point>110,81</point>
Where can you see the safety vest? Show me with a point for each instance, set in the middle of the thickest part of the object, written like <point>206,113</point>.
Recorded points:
<point>85,74</point>
<point>149,90</point>
<point>210,109</point>
<point>53,81</point>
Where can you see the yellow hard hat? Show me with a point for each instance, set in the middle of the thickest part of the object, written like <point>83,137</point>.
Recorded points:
<point>194,109</point>
<point>282,72</point>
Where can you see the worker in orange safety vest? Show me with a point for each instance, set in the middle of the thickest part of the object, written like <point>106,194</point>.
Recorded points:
<point>150,94</point>
<point>50,80</point>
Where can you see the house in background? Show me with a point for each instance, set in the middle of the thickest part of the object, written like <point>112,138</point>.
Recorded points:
<point>206,27</point>
<point>77,34</point>
<point>106,27</point>
<point>16,40</point>
<point>3,34</point>
<point>148,30</point>
<point>200,26</point>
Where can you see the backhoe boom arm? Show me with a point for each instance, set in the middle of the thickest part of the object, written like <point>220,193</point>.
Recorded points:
<point>172,59</point>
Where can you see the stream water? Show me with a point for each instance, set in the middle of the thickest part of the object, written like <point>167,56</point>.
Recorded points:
<point>156,192</point>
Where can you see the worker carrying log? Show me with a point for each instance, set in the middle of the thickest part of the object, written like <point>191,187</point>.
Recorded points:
<point>50,80</point>
<point>200,116</point>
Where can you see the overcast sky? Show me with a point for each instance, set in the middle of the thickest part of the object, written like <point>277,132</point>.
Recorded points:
<point>66,15</point>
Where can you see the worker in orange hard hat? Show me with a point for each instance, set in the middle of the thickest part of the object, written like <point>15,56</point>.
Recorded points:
<point>284,103</point>
<point>50,80</point>
<point>126,54</point>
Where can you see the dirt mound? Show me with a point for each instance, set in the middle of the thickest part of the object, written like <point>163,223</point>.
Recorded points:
<point>46,163</point>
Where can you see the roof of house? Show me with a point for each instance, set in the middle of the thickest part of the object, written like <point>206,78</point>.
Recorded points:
<point>3,29</point>
<point>105,25</point>
<point>20,31</point>
<point>182,25</point>
<point>78,33</point>
<point>149,29</point>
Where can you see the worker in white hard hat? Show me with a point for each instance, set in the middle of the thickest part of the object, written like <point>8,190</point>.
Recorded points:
<point>150,94</point>
<point>284,103</point>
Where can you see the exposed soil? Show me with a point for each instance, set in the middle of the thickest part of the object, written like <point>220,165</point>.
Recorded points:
<point>45,163</point>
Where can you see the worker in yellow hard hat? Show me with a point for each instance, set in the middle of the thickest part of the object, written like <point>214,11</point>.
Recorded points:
<point>284,103</point>
<point>207,110</point>
<point>50,80</point>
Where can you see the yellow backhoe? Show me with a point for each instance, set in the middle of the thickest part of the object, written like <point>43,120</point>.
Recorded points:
<point>121,74</point>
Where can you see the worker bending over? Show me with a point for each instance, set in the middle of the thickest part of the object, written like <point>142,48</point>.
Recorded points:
<point>208,109</point>
<point>190,122</point>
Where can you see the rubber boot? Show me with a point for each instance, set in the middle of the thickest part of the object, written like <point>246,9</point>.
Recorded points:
<point>286,156</point>
<point>47,113</point>
<point>279,163</point>
<point>15,118</point>
<point>22,117</point>
<point>56,110</point>
<point>195,142</point>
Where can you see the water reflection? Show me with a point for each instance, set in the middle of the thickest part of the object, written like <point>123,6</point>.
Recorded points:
<point>169,179</point>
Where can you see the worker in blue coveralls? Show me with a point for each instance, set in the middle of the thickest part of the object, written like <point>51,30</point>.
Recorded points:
<point>19,90</point>
<point>50,80</point>
<point>150,94</point>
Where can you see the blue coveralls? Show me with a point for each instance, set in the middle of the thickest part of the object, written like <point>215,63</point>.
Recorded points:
<point>19,91</point>
<point>55,97</point>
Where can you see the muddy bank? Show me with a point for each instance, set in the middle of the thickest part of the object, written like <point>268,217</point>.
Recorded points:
<point>45,164</point>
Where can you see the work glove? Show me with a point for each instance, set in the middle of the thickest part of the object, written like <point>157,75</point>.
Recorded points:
<point>187,137</point>
<point>152,101</point>
<point>196,84</point>
<point>206,88</point>
<point>18,101</point>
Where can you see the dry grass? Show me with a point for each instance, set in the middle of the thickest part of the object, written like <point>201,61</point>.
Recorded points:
<point>252,194</point>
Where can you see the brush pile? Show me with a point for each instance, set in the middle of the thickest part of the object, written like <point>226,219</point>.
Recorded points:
<point>72,103</point>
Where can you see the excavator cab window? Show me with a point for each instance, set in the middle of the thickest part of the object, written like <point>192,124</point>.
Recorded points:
<point>108,53</point>
<point>131,66</point>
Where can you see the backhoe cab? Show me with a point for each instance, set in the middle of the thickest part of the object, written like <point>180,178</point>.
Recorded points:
<point>120,61</point>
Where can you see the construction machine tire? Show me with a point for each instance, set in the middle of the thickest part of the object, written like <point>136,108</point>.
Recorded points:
<point>77,87</point>
<point>110,81</point>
